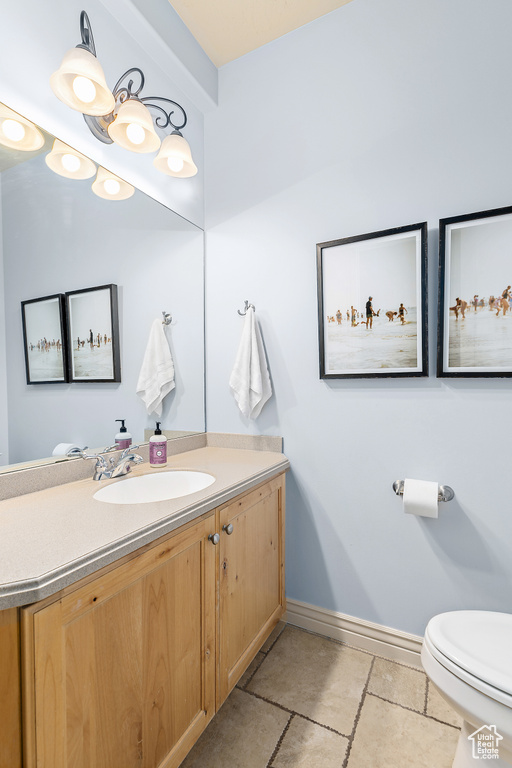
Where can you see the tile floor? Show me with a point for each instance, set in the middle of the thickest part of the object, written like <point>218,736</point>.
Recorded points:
<point>310,702</point>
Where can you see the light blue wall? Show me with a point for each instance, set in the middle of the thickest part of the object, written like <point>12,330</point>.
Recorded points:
<point>377,115</point>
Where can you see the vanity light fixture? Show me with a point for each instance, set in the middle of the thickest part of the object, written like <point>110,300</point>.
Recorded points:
<point>67,162</point>
<point>122,116</point>
<point>16,132</point>
<point>110,187</point>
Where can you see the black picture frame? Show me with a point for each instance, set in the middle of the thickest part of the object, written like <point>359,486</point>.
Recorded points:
<point>45,339</point>
<point>391,265</point>
<point>93,334</point>
<point>474,338</point>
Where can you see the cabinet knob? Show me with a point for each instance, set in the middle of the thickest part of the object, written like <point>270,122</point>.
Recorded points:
<point>228,528</point>
<point>214,538</point>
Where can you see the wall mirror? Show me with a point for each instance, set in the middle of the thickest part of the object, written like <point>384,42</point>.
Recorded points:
<point>57,235</point>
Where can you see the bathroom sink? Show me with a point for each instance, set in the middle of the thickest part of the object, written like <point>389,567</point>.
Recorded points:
<point>155,487</point>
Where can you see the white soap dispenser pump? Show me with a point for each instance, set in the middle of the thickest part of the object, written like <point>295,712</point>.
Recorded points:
<point>157,448</point>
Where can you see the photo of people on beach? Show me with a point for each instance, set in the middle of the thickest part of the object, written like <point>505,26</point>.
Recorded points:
<point>372,313</point>
<point>43,331</point>
<point>475,322</point>
<point>93,334</point>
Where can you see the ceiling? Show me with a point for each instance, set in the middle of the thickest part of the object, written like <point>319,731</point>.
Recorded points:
<point>227,29</point>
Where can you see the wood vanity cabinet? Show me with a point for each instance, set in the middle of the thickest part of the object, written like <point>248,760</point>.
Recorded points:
<point>127,667</point>
<point>120,673</point>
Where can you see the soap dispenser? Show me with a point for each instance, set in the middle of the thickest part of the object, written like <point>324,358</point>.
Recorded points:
<point>123,439</point>
<point>157,448</point>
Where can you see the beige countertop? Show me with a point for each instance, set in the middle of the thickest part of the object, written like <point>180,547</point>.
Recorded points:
<point>54,537</point>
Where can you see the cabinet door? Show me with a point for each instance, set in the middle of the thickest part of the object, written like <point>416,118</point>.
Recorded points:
<point>10,690</point>
<point>124,667</point>
<point>251,578</point>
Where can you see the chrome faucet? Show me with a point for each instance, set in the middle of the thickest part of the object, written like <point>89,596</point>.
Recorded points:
<point>106,470</point>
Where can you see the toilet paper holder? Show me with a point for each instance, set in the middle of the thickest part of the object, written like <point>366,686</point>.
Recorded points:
<point>445,492</point>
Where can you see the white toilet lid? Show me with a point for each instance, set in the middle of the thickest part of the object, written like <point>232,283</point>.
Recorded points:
<point>480,642</point>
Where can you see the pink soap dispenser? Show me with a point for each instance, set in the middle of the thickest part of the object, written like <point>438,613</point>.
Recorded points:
<point>157,448</point>
<point>123,439</point>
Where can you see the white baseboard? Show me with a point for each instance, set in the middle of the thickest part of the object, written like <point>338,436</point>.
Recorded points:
<point>375,638</point>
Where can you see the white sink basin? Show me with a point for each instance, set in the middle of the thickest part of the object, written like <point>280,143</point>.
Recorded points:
<point>156,487</point>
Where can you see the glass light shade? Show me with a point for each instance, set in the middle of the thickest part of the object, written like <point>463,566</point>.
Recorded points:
<point>68,162</point>
<point>174,151</point>
<point>81,65</point>
<point>17,132</point>
<point>134,119</point>
<point>111,187</point>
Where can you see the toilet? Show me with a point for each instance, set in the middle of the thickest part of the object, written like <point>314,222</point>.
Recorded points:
<point>468,657</point>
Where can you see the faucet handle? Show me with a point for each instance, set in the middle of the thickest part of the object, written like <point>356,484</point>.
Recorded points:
<point>128,450</point>
<point>80,453</point>
<point>76,451</point>
<point>101,462</point>
<point>110,448</point>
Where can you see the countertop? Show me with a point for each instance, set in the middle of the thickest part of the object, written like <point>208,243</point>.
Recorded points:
<point>52,538</point>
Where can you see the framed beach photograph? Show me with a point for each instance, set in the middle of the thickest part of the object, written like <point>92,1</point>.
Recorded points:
<point>475,295</point>
<point>93,334</point>
<point>372,304</point>
<point>44,338</point>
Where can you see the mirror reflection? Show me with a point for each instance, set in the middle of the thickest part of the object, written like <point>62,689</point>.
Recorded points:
<point>58,235</point>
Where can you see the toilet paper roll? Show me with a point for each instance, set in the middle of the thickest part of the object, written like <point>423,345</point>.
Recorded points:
<point>63,449</point>
<point>421,498</point>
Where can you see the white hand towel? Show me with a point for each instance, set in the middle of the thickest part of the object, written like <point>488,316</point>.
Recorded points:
<point>156,378</point>
<point>250,380</point>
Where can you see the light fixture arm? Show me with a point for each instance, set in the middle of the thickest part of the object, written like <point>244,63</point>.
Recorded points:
<point>167,114</point>
<point>127,92</point>
<point>164,119</point>
<point>86,33</point>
